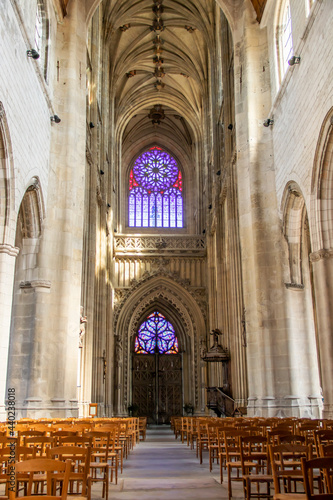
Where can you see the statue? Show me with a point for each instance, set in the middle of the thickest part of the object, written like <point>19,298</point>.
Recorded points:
<point>216,334</point>
<point>83,321</point>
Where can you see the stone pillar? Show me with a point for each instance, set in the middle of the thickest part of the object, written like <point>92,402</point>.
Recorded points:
<point>322,262</point>
<point>260,227</point>
<point>8,255</point>
<point>53,375</point>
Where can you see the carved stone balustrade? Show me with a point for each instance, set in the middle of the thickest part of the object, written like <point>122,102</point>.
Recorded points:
<point>125,245</point>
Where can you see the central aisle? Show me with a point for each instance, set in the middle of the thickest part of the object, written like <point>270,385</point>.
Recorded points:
<point>162,468</point>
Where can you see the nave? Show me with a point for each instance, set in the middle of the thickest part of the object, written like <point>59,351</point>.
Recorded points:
<point>162,468</point>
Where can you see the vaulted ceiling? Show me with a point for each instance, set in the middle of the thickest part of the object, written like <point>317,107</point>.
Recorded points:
<point>161,53</point>
<point>162,62</point>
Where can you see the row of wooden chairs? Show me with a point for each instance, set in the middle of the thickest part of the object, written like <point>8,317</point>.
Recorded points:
<point>260,454</point>
<point>94,448</point>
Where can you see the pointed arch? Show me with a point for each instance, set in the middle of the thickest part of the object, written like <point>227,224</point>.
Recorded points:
<point>160,292</point>
<point>7,182</point>
<point>322,189</point>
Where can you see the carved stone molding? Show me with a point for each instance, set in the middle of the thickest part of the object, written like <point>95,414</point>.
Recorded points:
<point>122,294</point>
<point>2,111</point>
<point>36,284</point>
<point>321,254</point>
<point>9,250</point>
<point>89,156</point>
<point>125,245</point>
<point>294,286</point>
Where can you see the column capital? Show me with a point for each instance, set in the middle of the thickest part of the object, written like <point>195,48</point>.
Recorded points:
<point>9,249</point>
<point>321,254</point>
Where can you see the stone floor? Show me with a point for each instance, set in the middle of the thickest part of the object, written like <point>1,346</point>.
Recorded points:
<point>162,468</point>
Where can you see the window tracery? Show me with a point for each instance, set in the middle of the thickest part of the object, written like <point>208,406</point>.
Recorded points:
<point>156,334</point>
<point>155,191</point>
<point>285,39</point>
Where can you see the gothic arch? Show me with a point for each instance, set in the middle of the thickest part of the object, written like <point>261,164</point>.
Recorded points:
<point>322,189</point>
<point>174,300</point>
<point>27,285</point>
<point>7,184</point>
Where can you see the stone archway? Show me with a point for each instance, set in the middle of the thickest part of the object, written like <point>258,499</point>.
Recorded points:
<point>157,370</point>
<point>160,291</point>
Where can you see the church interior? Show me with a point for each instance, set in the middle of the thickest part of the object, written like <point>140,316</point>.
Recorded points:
<point>166,208</point>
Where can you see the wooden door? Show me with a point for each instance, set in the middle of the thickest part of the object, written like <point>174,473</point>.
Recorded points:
<point>157,386</point>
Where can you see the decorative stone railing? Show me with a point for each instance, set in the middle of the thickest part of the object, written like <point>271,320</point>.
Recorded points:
<point>159,245</point>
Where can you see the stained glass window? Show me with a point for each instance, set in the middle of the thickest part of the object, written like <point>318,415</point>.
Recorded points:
<point>156,334</point>
<point>155,191</point>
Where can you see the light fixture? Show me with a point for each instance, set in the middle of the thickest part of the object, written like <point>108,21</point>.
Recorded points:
<point>218,172</point>
<point>230,126</point>
<point>210,207</point>
<point>91,125</point>
<point>101,172</point>
<point>268,122</point>
<point>33,53</point>
<point>55,119</point>
<point>294,60</point>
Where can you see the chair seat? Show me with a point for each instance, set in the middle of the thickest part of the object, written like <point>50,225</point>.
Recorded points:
<point>289,496</point>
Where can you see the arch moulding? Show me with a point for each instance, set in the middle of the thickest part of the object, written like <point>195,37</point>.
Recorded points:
<point>163,292</point>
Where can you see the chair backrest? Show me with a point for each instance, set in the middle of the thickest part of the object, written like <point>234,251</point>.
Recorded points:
<point>40,443</point>
<point>80,463</point>
<point>285,460</point>
<point>100,442</point>
<point>325,465</point>
<point>25,453</point>
<point>55,471</point>
<point>74,440</point>
<point>322,437</point>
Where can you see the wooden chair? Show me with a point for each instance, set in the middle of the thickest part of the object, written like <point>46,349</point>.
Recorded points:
<point>322,437</point>
<point>142,428</point>
<point>287,470</point>
<point>233,457</point>
<point>99,466</point>
<point>202,440</point>
<point>79,478</point>
<point>115,454</point>
<point>325,489</point>
<point>255,465</point>
<point>53,472</point>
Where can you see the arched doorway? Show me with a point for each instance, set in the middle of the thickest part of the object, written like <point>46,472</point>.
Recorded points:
<point>157,370</point>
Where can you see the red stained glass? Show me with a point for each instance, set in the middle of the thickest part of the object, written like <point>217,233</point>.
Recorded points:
<point>155,173</point>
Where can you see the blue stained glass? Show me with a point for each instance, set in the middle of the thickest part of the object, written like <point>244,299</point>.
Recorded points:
<point>138,209</point>
<point>179,211</point>
<point>159,210</point>
<point>165,211</point>
<point>131,210</point>
<point>172,210</point>
<point>156,334</point>
<point>145,210</point>
<point>155,174</point>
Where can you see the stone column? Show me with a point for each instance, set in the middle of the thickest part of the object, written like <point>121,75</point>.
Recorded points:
<point>322,262</point>
<point>260,227</point>
<point>8,255</point>
<point>52,382</point>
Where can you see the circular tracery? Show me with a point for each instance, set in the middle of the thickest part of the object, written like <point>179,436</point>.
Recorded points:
<point>155,186</point>
<point>155,170</point>
<point>156,334</point>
